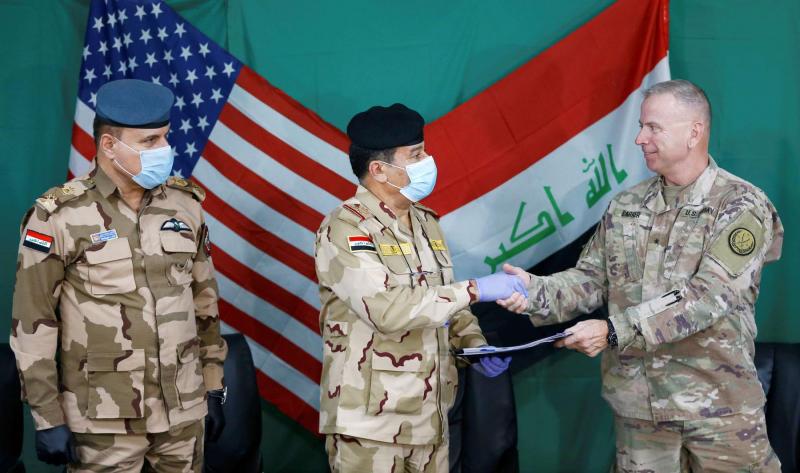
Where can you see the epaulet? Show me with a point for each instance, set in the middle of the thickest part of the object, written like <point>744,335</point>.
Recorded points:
<point>353,212</point>
<point>55,197</point>
<point>187,185</point>
<point>425,209</point>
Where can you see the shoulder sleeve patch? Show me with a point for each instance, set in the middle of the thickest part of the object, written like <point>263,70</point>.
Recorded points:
<point>738,244</point>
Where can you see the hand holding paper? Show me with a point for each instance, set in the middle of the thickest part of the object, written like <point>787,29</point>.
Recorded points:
<point>587,337</point>
<point>491,366</point>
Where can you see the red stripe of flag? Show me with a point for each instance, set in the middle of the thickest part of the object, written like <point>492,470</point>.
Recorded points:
<point>262,239</point>
<point>83,142</point>
<point>273,341</point>
<point>258,87</point>
<point>287,402</point>
<point>556,95</point>
<point>40,236</point>
<point>266,289</point>
<point>289,157</point>
<point>262,189</point>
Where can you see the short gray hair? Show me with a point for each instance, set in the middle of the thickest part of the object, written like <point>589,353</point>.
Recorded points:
<point>686,93</point>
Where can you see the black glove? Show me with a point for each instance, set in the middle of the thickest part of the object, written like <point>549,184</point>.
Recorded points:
<point>215,420</point>
<point>56,445</point>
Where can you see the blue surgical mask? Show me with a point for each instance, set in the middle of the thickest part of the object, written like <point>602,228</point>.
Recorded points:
<point>156,166</point>
<point>421,177</point>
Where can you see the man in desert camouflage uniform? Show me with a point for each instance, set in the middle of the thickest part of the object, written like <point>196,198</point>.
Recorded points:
<point>678,260</point>
<point>391,312</point>
<point>115,323</point>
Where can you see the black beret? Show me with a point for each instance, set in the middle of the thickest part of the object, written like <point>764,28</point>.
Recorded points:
<point>133,103</point>
<point>386,127</point>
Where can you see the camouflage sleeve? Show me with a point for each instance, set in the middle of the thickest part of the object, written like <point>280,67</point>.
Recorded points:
<point>580,290</point>
<point>365,284</point>
<point>213,348</point>
<point>465,331</point>
<point>743,238</point>
<point>35,324</point>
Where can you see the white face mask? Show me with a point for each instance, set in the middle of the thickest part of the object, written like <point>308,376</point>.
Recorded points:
<point>156,165</point>
<point>421,179</point>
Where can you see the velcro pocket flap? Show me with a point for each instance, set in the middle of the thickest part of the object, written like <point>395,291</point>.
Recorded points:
<point>177,242</point>
<point>124,360</point>
<point>111,250</point>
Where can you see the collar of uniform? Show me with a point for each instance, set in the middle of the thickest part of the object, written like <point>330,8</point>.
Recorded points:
<point>107,187</point>
<point>103,183</point>
<point>695,194</point>
<point>377,207</point>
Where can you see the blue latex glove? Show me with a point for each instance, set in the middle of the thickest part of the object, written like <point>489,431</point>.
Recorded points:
<point>499,286</point>
<point>491,366</point>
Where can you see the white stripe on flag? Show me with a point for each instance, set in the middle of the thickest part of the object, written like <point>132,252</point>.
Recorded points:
<point>272,171</point>
<point>261,214</point>
<point>265,265</point>
<point>78,163</point>
<point>270,316</point>
<point>84,117</point>
<point>291,133</point>
<point>562,171</point>
<point>281,372</point>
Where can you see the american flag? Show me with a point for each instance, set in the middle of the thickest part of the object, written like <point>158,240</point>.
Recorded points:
<point>271,168</point>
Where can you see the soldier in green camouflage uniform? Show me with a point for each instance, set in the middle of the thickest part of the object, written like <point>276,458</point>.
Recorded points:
<point>115,322</point>
<point>391,312</point>
<point>678,260</point>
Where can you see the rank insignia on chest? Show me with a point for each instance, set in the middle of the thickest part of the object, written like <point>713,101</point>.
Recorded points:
<point>104,236</point>
<point>38,241</point>
<point>176,226</point>
<point>360,243</point>
<point>438,245</point>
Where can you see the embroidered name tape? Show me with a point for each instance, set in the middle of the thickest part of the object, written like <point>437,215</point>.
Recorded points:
<point>360,243</point>
<point>104,236</point>
<point>38,241</point>
<point>438,245</point>
<point>396,250</point>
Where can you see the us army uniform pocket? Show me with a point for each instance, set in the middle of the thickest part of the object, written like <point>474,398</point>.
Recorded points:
<point>110,267</point>
<point>398,383</point>
<point>116,384</point>
<point>189,375</point>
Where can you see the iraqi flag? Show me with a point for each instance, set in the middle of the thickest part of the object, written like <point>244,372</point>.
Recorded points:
<point>525,167</point>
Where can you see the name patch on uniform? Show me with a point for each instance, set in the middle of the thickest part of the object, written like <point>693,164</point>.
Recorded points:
<point>438,245</point>
<point>696,213</point>
<point>37,241</point>
<point>104,236</point>
<point>396,250</point>
<point>628,213</point>
<point>360,243</point>
<point>176,225</point>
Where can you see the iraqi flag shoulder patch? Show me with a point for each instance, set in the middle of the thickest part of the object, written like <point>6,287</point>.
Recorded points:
<point>359,243</point>
<point>38,241</point>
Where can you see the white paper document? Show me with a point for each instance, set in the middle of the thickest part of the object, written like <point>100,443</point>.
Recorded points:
<point>492,350</point>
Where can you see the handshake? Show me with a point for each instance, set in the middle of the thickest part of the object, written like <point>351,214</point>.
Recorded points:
<point>508,288</point>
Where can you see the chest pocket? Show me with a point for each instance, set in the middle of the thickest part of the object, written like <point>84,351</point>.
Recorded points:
<point>686,243</point>
<point>179,250</point>
<point>626,258</point>
<point>110,267</point>
<point>391,254</point>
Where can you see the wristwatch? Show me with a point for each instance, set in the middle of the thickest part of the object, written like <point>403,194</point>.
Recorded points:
<point>221,394</point>
<point>611,338</point>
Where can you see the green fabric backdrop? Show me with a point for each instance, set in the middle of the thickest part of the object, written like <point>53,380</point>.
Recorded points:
<point>340,57</point>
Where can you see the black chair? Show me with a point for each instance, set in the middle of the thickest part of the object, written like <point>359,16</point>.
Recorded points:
<point>10,414</point>
<point>778,367</point>
<point>239,447</point>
